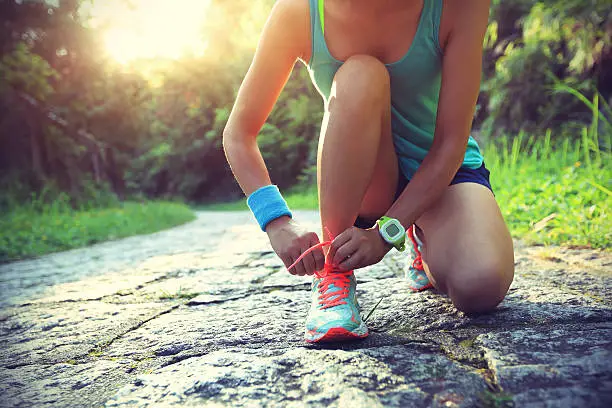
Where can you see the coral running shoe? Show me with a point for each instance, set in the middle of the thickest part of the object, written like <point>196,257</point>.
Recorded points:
<point>334,312</point>
<point>415,273</point>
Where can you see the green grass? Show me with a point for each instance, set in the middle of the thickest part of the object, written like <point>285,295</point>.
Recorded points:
<point>495,399</point>
<point>28,231</point>
<point>547,195</point>
<point>554,196</point>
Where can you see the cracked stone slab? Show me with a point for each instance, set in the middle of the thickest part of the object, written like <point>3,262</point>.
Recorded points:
<point>245,274</point>
<point>273,320</point>
<point>159,276</point>
<point>587,272</point>
<point>566,366</point>
<point>394,376</point>
<point>526,304</point>
<point>62,384</point>
<point>67,331</point>
<point>262,320</point>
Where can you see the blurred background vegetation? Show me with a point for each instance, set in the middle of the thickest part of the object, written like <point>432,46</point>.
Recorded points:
<point>90,125</point>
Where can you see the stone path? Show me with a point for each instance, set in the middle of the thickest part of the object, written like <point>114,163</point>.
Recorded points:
<point>204,314</point>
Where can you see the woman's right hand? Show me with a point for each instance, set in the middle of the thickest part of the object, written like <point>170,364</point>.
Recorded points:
<point>289,240</point>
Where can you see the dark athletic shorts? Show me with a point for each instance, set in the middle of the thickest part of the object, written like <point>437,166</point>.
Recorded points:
<point>464,175</point>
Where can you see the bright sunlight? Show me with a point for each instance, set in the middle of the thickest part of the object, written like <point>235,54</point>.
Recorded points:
<point>150,28</point>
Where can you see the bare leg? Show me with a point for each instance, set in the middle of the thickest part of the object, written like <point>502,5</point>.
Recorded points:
<point>468,250</point>
<point>357,165</point>
<point>357,173</point>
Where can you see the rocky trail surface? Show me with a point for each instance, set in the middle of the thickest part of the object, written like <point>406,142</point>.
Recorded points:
<point>205,315</point>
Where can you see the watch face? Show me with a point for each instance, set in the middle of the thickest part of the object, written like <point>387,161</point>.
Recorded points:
<point>392,230</point>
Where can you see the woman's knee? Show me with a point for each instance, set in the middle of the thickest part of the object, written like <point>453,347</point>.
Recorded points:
<point>361,76</point>
<point>481,288</point>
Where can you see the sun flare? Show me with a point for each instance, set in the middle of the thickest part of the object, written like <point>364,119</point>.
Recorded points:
<point>151,28</point>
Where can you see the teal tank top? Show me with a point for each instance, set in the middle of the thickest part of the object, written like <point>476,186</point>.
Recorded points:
<point>415,87</point>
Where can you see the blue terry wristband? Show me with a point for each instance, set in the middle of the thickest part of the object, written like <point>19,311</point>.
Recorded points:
<point>267,204</point>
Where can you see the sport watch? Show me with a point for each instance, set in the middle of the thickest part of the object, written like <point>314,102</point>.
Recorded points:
<point>392,231</point>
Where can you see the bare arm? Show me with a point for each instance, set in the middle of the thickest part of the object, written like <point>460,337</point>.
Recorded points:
<point>283,41</point>
<point>461,73</point>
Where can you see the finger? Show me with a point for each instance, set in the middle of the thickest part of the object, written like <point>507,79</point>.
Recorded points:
<point>345,250</point>
<point>288,263</point>
<point>352,262</point>
<point>308,260</point>
<point>340,240</point>
<point>317,255</point>
<point>314,264</point>
<point>299,268</point>
<point>319,259</point>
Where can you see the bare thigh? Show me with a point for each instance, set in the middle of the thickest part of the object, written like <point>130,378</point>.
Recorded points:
<point>380,192</point>
<point>468,249</point>
<point>357,163</point>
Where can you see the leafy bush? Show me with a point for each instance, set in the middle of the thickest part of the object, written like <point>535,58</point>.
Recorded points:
<point>554,39</point>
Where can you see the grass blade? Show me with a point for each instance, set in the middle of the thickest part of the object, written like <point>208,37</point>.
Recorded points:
<point>372,311</point>
<point>599,187</point>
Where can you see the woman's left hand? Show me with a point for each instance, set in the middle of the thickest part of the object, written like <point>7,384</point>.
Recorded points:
<point>357,248</point>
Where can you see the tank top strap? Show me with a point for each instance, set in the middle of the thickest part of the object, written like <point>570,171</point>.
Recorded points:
<point>321,13</point>
<point>435,18</point>
<point>429,23</point>
<point>316,29</point>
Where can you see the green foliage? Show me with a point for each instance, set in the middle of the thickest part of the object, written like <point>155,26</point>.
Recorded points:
<point>183,155</point>
<point>14,195</point>
<point>27,72</point>
<point>553,196</point>
<point>31,230</point>
<point>559,195</point>
<point>555,39</point>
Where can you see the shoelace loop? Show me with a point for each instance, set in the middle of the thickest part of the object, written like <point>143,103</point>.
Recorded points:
<point>418,260</point>
<point>329,276</point>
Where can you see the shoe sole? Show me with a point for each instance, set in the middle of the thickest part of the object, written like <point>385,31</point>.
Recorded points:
<point>334,334</point>
<point>421,289</point>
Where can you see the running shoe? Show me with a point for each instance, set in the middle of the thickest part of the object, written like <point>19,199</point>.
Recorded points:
<point>415,273</point>
<point>334,311</point>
